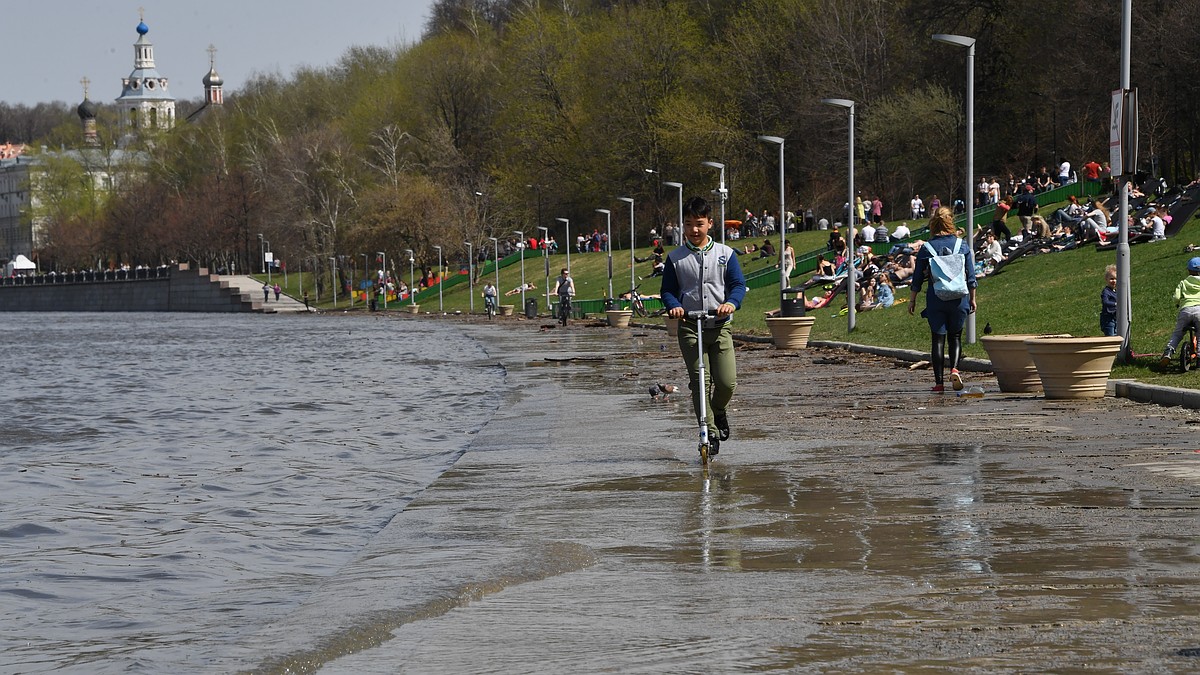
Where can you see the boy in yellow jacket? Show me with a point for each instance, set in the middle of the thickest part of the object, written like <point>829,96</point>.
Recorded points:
<point>1187,298</point>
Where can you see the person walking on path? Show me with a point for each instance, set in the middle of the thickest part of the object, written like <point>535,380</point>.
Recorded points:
<point>703,275</point>
<point>278,291</point>
<point>266,293</point>
<point>945,317</point>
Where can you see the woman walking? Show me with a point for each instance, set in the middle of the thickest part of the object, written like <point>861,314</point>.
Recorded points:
<point>946,317</point>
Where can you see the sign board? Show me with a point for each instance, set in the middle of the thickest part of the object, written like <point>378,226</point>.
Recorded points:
<point>1123,132</point>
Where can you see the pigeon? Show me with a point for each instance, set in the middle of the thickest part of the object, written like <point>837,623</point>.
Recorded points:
<point>663,390</point>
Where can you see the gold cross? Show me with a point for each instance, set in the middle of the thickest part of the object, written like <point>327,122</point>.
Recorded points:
<point>141,13</point>
<point>212,55</point>
<point>85,82</point>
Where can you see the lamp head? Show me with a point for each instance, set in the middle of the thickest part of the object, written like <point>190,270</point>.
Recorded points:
<point>715,165</point>
<point>771,139</point>
<point>604,211</point>
<point>627,200</point>
<point>673,184</point>
<point>956,40</point>
<point>564,220</point>
<point>839,103</point>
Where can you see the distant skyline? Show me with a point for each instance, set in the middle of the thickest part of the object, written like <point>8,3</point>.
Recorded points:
<point>53,44</point>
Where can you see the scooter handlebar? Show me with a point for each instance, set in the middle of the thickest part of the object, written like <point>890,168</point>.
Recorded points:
<point>700,314</point>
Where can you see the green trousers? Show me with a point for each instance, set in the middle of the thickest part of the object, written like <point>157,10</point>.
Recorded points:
<point>720,368</point>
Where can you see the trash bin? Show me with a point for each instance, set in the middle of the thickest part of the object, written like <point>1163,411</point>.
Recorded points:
<point>530,308</point>
<point>789,304</point>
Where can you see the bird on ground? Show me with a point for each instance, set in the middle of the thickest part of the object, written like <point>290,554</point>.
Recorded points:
<point>663,390</point>
<point>987,328</point>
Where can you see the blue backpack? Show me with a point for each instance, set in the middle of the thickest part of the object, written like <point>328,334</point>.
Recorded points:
<point>949,272</point>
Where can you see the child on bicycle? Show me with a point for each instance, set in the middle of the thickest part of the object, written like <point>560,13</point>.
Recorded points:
<point>565,287</point>
<point>1187,298</point>
<point>489,296</point>
<point>704,275</point>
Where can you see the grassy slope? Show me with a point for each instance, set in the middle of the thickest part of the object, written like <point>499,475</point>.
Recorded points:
<point>1055,293</point>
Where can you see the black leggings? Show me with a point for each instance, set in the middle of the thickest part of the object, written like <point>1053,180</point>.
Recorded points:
<point>998,226</point>
<point>939,358</point>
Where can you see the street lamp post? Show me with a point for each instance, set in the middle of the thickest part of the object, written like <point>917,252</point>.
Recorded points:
<point>721,192</point>
<point>851,278</point>
<point>268,245</point>
<point>441,278</point>
<point>333,270</point>
<point>567,222</point>
<point>632,276</point>
<point>470,275</point>
<point>608,247</point>
<point>366,267</point>
<point>262,255</point>
<point>782,279</point>
<point>546,263</point>
<point>969,44</point>
<point>496,264</point>
<point>521,250</point>
<point>383,261</point>
<point>412,281</point>
<point>678,186</point>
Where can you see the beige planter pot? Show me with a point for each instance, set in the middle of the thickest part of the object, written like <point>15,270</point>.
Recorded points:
<point>506,310</point>
<point>619,318</point>
<point>414,309</point>
<point>672,326</point>
<point>1011,363</point>
<point>1073,367</point>
<point>790,332</point>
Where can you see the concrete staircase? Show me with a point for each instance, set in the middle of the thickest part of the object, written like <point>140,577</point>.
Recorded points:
<point>251,291</point>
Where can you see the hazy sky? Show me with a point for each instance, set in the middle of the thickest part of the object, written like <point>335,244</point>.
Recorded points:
<point>50,45</point>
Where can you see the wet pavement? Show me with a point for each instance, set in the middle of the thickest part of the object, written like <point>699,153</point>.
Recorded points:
<point>854,523</point>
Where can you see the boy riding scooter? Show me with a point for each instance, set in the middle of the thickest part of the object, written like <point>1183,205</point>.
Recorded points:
<point>704,276</point>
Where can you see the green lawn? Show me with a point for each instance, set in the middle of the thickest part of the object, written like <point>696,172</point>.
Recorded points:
<point>1051,293</point>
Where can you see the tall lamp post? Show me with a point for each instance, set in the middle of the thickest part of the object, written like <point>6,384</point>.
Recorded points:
<point>969,44</point>
<point>678,186</point>
<point>268,245</point>
<point>412,279</point>
<point>608,247</point>
<point>632,234</point>
<point>721,192</point>
<point>441,278</point>
<point>262,255</point>
<point>470,275</point>
<point>333,268</point>
<point>851,279</point>
<point>383,261</point>
<point>782,279</point>
<point>496,266</point>
<point>567,222</point>
<point>521,250</point>
<point>546,263</point>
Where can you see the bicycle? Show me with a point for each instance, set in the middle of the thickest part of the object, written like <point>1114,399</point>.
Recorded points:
<point>635,302</point>
<point>489,304</point>
<point>564,309</point>
<point>1188,350</point>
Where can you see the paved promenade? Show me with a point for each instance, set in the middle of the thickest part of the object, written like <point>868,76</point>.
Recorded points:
<point>253,288</point>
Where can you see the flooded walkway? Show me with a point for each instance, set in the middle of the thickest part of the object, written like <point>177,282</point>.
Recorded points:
<point>854,523</point>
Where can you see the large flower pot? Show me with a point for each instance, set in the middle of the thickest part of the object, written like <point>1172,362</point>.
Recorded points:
<point>1073,367</point>
<point>1011,363</point>
<point>506,310</point>
<point>414,309</point>
<point>790,332</point>
<point>619,318</point>
<point>672,326</point>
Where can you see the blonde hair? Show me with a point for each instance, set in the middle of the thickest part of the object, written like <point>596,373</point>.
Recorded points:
<point>942,222</point>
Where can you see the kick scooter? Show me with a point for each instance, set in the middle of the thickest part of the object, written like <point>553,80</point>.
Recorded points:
<point>699,317</point>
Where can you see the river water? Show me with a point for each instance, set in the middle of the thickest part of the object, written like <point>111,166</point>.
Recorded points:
<point>170,482</point>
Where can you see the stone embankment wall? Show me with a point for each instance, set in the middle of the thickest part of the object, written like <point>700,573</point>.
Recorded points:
<point>185,290</point>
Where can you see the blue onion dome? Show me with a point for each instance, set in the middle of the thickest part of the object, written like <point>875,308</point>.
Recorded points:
<point>142,28</point>
<point>86,110</point>
<point>212,79</point>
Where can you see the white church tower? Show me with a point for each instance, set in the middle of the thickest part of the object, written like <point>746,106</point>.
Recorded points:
<point>145,103</point>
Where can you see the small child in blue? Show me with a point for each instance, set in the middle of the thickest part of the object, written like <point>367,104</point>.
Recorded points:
<point>1108,302</point>
<point>1187,297</point>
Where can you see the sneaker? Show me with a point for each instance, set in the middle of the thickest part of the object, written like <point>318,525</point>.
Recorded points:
<point>937,388</point>
<point>1165,359</point>
<point>956,380</point>
<point>714,447</point>
<point>722,422</point>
